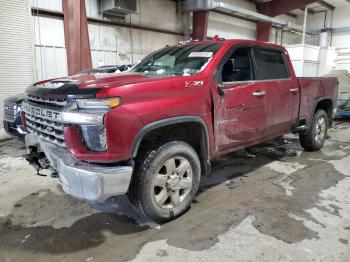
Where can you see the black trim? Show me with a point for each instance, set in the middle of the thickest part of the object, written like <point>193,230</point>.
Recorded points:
<point>18,98</point>
<point>69,90</point>
<point>233,48</point>
<point>257,49</point>
<point>169,121</point>
<point>315,105</point>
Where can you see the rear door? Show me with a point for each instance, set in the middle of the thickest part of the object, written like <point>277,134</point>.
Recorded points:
<point>272,71</point>
<point>242,112</point>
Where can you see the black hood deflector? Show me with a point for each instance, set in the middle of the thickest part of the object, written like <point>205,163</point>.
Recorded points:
<point>68,90</point>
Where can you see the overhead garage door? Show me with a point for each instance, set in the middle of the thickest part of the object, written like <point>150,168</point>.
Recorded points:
<point>16,49</point>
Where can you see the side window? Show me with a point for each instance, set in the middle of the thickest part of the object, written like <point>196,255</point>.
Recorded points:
<point>270,64</point>
<point>238,67</point>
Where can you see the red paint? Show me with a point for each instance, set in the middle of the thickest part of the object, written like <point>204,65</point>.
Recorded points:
<point>200,25</point>
<point>234,121</point>
<point>278,7</point>
<point>263,31</point>
<point>76,36</point>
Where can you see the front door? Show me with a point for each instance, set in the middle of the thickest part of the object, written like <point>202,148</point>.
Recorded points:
<point>242,111</point>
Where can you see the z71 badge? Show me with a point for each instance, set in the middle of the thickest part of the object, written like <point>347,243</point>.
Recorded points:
<point>194,83</point>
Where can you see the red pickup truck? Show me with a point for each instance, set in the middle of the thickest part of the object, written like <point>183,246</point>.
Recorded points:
<point>151,133</point>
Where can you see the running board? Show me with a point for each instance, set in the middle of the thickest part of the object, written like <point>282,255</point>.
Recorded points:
<point>300,128</point>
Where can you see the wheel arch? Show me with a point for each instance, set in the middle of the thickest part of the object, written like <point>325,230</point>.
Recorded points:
<point>198,126</point>
<point>325,103</point>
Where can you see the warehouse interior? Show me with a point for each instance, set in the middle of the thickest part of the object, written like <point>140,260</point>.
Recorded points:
<point>272,202</point>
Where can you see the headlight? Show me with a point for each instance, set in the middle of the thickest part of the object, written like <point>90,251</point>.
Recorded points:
<point>98,103</point>
<point>79,118</point>
<point>94,137</point>
<point>90,111</point>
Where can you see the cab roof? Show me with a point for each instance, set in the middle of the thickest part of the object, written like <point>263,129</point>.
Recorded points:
<point>233,41</point>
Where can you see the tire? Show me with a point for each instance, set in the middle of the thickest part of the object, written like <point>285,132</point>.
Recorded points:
<point>315,137</point>
<point>166,181</point>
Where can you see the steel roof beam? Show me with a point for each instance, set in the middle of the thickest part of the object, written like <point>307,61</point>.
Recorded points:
<point>279,7</point>
<point>325,4</point>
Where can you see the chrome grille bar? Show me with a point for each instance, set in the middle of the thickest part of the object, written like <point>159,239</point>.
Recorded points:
<point>45,123</point>
<point>33,125</point>
<point>47,102</point>
<point>46,137</point>
<point>10,111</point>
<point>42,121</point>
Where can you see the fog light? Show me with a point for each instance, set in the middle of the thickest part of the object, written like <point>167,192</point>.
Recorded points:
<point>94,137</point>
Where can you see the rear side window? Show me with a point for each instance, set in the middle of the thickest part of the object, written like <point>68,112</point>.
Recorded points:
<point>270,64</point>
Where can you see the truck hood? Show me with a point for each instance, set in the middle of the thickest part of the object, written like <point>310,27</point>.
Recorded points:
<point>106,80</point>
<point>87,85</point>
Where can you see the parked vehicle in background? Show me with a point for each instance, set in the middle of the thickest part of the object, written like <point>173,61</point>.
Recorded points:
<point>12,119</point>
<point>152,132</point>
<point>343,103</point>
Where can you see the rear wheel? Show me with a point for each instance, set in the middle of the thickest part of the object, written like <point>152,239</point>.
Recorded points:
<point>314,139</point>
<point>166,181</point>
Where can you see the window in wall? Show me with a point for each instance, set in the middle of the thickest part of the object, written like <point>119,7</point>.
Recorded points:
<point>238,67</point>
<point>270,64</point>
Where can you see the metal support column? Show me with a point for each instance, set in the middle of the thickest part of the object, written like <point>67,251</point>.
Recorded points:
<point>200,25</point>
<point>263,31</point>
<point>76,36</point>
<point>303,41</point>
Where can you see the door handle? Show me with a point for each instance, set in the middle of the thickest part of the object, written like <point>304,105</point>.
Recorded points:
<point>259,93</point>
<point>294,90</point>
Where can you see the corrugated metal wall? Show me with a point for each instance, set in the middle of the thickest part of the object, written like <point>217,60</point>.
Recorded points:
<point>16,49</point>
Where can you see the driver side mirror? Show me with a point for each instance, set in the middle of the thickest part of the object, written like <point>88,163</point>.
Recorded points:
<point>218,81</point>
<point>221,89</point>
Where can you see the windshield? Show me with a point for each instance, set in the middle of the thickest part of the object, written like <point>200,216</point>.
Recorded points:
<point>179,60</point>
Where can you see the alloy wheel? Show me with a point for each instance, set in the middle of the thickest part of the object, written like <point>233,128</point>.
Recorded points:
<point>173,182</point>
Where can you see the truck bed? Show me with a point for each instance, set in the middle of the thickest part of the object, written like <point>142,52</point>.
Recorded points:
<point>311,90</point>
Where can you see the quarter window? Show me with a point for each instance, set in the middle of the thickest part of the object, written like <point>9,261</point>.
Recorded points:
<point>270,64</point>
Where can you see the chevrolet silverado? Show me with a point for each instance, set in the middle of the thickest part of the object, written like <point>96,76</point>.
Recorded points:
<point>152,132</point>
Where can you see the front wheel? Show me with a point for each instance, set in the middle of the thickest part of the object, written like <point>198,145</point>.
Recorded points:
<point>314,139</point>
<point>166,181</point>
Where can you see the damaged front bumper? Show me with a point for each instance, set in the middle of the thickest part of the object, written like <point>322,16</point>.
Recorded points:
<point>94,183</point>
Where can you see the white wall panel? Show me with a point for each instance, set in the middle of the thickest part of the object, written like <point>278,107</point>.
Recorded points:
<point>339,18</point>
<point>50,50</point>
<point>48,31</point>
<point>230,27</point>
<point>16,49</point>
<point>158,13</point>
<point>120,45</point>
<point>51,62</point>
<point>91,7</point>
<point>55,5</point>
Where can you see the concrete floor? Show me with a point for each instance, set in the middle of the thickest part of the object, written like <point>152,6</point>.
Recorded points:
<point>277,203</point>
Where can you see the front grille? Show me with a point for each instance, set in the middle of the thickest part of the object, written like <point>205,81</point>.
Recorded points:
<point>46,128</point>
<point>51,131</point>
<point>47,102</point>
<point>10,111</point>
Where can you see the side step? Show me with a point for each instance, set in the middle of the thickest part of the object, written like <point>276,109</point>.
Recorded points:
<point>300,126</point>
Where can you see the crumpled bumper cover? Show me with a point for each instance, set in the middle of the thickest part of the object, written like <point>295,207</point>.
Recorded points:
<point>82,180</point>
